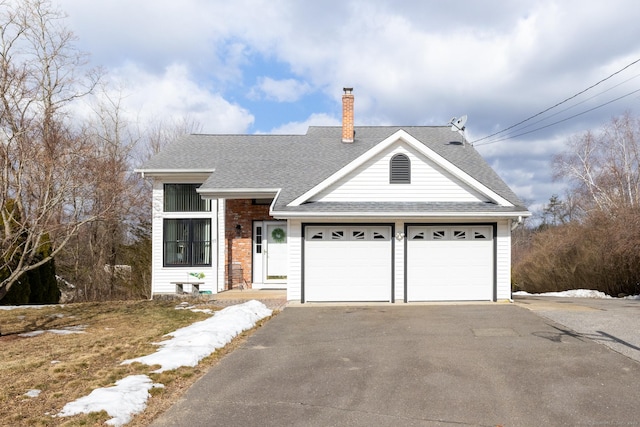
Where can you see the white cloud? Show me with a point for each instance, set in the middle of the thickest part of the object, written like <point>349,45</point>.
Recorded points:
<point>413,63</point>
<point>150,98</point>
<point>287,90</point>
<point>300,128</point>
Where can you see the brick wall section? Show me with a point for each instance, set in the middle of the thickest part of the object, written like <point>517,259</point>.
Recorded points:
<point>238,249</point>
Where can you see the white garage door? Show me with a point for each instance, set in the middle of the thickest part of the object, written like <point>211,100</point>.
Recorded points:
<point>446,263</point>
<point>347,263</point>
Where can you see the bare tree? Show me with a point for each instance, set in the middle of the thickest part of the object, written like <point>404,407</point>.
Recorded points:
<point>158,134</point>
<point>597,245</point>
<point>90,260</point>
<point>46,165</point>
<point>603,167</point>
<point>120,241</point>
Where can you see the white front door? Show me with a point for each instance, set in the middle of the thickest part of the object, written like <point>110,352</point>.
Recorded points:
<point>270,255</point>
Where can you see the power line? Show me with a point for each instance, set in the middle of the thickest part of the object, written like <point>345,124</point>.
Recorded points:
<point>580,103</point>
<point>560,121</point>
<point>554,106</point>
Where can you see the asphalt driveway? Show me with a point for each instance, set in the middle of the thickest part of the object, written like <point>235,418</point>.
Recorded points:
<point>614,323</point>
<point>415,365</point>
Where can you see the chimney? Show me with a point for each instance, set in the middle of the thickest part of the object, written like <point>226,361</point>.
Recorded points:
<point>348,133</point>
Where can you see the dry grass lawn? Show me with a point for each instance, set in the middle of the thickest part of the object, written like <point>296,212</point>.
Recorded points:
<point>66,367</point>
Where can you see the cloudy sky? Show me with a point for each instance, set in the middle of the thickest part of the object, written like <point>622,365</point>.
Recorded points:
<point>278,66</point>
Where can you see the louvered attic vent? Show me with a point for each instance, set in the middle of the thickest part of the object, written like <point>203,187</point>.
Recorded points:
<point>400,169</point>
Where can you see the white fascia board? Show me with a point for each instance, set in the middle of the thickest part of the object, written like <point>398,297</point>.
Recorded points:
<point>398,215</point>
<point>169,172</point>
<point>237,193</point>
<point>420,147</point>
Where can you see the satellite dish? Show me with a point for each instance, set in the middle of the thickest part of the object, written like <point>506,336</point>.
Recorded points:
<point>457,125</point>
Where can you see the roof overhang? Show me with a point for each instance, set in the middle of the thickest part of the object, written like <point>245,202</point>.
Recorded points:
<point>238,193</point>
<point>172,172</point>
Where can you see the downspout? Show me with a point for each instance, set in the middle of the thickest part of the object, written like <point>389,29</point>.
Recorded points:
<point>516,223</point>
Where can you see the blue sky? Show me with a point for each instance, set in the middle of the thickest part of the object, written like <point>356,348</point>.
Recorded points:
<point>278,66</point>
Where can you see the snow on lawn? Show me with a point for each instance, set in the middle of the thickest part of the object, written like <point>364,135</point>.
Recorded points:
<point>66,331</point>
<point>188,346</point>
<point>576,293</point>
<point>195,342</point>
<point>122,401</point>
<point>16,307</point>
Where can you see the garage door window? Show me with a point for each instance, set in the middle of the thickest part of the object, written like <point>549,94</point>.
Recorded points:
<point>358,235</point>
<point>348,233</point>
<point>448,234</point>
<point>438,234</point>
<point>480,234</point>
<point>377,235</point>
<point>459,234</point>
<point>337,235</point>
<point>318,235</point>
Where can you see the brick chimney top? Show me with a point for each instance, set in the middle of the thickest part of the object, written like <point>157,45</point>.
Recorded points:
<point>348,132</point>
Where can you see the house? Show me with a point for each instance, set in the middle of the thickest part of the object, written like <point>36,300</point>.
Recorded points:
<point>384,213</point>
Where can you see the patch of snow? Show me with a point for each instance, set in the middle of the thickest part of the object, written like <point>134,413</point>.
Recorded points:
<point>122,401</point>
<point>202,310</point>
<point>31,334</point>
<point>17,307</point>
<point>188,346</point>
<point>67,331</point>
<point>33,393</point>
<point>53,362</point>
<point>193,343</point>
<point>574,293</point>
<point>186,306</point>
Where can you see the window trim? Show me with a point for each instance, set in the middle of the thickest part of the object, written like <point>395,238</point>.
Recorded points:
<point>205,203</point>
<point>190,242</point>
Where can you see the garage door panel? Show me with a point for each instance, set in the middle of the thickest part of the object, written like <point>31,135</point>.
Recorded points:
<point>348,264</point>
<point>447,263</point>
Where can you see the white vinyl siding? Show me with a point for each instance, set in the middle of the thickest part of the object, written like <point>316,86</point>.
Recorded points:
<point>399,259</point>
<point>161,277</point>
<point>294,282</point>
<point>503,261</point>
<point>370,182</point>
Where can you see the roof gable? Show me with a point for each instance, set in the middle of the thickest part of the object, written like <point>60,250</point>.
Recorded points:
<point>297,168</point>
<point>366,179</point>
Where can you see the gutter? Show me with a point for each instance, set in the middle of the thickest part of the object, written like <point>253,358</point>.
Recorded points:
<point>324,214</point>
<point>516,223</point>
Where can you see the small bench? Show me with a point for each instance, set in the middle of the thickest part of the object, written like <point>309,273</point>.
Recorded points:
<point>195,287</point>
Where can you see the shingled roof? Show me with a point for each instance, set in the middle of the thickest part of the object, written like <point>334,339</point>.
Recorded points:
<point>294,164</point>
